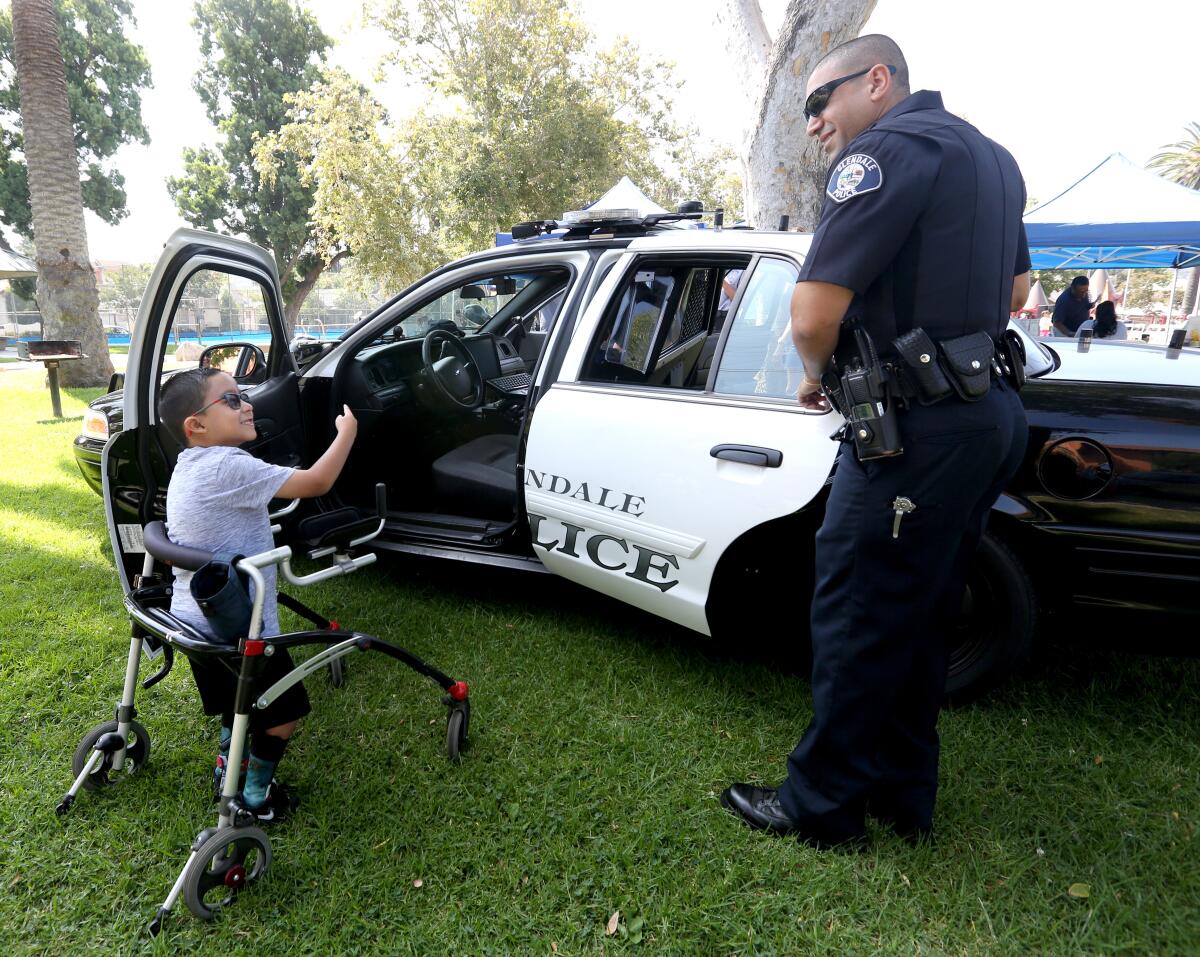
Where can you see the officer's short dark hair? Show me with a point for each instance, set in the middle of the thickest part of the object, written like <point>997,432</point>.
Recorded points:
<point>864,52</point>
<point>1079,281</point>
<point>179,397</point>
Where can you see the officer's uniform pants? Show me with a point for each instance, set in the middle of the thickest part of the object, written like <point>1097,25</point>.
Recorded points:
<point>881,608</point>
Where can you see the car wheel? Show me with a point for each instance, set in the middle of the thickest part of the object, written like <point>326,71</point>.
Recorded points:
<point>992,635</point>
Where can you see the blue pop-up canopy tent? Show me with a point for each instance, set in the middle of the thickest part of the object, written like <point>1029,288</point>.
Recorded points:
<point>1120,216</point>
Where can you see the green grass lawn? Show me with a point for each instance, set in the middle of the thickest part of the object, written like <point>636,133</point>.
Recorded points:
<point>600,740</point>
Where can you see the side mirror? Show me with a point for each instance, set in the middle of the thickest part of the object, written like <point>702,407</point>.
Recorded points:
<point>116,381</point>
<point>245,361</point>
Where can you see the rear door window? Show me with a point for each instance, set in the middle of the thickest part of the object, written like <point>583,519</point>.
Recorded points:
<point>661,326</point>
<point>759,358</point>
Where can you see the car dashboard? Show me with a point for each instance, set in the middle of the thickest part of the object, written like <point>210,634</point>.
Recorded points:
<point>385,374</point>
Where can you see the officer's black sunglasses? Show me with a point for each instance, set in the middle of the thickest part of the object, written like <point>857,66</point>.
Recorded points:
<point>231,399</point>
<point>818,99</point>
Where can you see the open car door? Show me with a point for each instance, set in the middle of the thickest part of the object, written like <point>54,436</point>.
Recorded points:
<point>206,291</point>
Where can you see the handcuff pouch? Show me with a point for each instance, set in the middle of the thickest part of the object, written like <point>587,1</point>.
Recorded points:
<point>967,362</point>
<point>919,357</point>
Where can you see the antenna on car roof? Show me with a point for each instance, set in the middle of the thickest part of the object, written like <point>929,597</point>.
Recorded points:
<point>719,218</point>
<point>783,222</point>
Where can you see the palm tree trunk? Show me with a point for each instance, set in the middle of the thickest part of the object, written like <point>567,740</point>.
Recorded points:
<point>66,285</point>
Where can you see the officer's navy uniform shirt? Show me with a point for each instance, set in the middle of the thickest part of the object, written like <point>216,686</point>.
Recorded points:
<point>910,223</point>
<point>1071,312</point>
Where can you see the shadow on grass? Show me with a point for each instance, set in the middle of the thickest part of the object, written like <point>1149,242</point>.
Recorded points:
<point>51,502</point>
<point>69,468</point>
<point>1077,657</point>
<point>536,594</point>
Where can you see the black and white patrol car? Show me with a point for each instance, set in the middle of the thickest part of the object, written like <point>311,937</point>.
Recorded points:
<point>614,416</point>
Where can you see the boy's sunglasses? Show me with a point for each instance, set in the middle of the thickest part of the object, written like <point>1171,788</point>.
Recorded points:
<point>232,399</point>
<point>818,99</point>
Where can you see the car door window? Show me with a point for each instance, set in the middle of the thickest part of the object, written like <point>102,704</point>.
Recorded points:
<point>759,358</point>
<point>660,324</point>
<point>215,308</point>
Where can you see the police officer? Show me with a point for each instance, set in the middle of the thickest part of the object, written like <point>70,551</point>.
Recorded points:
<point>920,229</point>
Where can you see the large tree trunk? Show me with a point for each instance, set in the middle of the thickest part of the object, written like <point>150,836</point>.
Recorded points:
<point>66,285</point>
<point>294,302</point>
<point>785,170</point>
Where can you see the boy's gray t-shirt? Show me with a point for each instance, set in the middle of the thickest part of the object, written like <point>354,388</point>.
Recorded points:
<point>217,500</point>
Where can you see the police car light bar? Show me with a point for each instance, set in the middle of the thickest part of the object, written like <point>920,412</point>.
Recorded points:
<point>580,217</point>
<point>586,223</point>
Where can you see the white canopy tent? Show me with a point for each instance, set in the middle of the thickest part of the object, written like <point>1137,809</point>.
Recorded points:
<point>626,195</point>
<point>1037,300</point>
<point>15,266</point>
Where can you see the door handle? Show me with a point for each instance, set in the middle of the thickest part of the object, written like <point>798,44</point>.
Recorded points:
<point>749,454</point>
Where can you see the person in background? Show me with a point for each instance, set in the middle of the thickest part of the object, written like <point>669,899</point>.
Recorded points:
<point>1106,325</point>
<point>729,284</point>
<point>1071,308</point>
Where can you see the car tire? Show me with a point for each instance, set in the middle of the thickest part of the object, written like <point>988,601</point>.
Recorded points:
<point>991,638</point>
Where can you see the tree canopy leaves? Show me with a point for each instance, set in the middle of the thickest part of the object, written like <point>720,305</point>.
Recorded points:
<point>1180,161</point>
<point>106,73</point>
<point>255,54</point>
<point>526,119</point>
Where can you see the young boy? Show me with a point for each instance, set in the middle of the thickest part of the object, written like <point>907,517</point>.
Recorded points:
<point>217,501</point>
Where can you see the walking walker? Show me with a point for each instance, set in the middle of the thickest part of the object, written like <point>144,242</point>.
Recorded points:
<point>230,856</point>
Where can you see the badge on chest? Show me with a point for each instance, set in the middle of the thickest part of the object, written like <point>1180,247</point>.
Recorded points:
<point>858,173</point>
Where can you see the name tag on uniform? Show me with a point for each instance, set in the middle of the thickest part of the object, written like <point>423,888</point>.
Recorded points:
<point>858,173</point>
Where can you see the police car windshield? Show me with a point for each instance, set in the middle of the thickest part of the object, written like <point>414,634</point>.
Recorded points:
<point>482,303</point>
<point>464,309</point>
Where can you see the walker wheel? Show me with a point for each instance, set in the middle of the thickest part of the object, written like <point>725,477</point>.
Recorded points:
<point>337,673</point>
<point>226,862</point>
<point>137,753</point>
<point>456,730</point>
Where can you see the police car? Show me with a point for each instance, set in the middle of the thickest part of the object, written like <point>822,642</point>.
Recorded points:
<point>621,412</point>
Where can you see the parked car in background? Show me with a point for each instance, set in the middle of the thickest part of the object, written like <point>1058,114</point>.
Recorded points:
<point>585,404</point>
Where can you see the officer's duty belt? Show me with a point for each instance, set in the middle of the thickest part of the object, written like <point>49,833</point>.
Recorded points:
<point>927,372</point>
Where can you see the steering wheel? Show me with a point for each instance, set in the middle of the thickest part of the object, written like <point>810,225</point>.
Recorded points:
<point>452,370</point>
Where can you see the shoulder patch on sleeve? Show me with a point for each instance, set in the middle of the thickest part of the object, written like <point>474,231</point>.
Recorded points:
<point>858,173</point>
